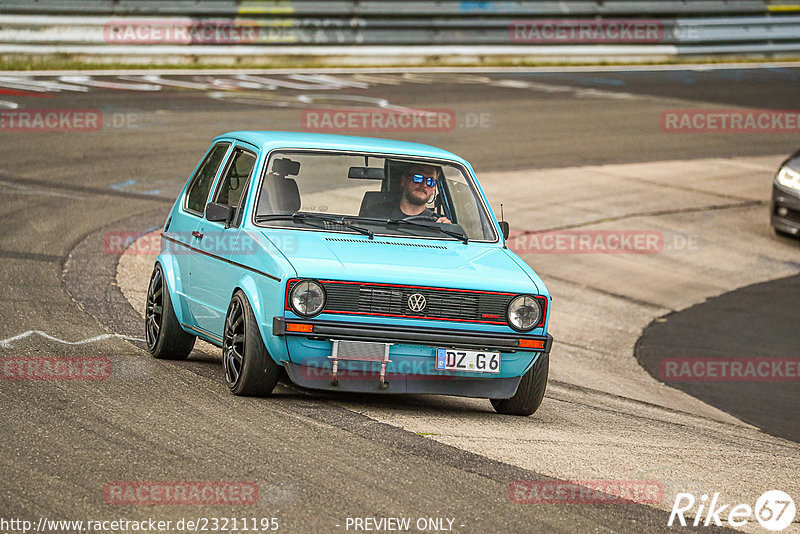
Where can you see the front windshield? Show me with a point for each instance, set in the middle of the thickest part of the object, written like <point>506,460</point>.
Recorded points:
<point>433,197</point>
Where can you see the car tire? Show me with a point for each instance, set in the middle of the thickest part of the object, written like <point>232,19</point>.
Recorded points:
<point>249,369</point>
<point>530,392</point>
<point>165,338</point>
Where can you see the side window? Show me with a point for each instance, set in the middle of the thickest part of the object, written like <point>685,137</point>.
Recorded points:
<point>467,211</point>
<point>201,183</point>
<point>234,182</point>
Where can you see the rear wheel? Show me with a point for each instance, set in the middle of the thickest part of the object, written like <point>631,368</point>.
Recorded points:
<point>165,338</point>
<point>249,369</point>
<point>530,392</point>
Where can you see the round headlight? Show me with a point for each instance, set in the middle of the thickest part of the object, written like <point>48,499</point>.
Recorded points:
<point>524,313</point>
<point>789,178</point>
<point>307,298</point>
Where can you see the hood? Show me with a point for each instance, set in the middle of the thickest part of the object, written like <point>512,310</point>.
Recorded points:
<point>424,262</point>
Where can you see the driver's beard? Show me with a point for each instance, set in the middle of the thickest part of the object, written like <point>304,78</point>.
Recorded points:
<point>414,200</point>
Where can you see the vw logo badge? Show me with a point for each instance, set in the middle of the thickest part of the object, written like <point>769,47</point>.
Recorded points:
<point>416,302</point>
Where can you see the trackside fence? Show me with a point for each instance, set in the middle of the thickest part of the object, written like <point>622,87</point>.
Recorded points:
<point>397,28</point>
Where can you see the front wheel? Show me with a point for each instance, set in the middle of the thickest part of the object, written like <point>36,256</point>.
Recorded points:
<point>249,369</point>
<point>165,338</point>
<point>530,392</point>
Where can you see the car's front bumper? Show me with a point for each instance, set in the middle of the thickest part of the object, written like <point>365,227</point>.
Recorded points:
<point>360,381</point>
<point>385,333</point>
<point>786,199</point>
<point>412,352</point>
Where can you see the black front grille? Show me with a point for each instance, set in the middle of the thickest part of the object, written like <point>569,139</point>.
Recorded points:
<point>394,300</point>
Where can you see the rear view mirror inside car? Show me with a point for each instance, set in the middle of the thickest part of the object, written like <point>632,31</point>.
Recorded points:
<point>285,167</point>
<point>366,173</point>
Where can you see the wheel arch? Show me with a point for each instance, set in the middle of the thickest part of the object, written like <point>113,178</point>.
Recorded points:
<point>265,297</point>
<point>174,286</point>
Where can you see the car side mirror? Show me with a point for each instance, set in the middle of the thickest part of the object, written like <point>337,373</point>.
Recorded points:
<point>216,212</point>
<point>505,229</point>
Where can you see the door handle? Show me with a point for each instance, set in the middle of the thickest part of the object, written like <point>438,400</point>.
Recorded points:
<point>197,234</point>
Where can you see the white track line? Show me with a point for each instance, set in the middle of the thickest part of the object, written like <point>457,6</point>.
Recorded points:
<point>9,342</point>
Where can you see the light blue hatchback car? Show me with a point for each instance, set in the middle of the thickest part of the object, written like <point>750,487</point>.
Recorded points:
<point>350,264</point>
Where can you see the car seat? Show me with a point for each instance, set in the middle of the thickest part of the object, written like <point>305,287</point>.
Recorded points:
<point>278,195</point>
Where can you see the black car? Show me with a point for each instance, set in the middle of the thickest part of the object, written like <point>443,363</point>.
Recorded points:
<point>785,205</point>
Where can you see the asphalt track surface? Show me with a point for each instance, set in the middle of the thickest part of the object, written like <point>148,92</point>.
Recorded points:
<point>315,462</point>
<point>755,320</point>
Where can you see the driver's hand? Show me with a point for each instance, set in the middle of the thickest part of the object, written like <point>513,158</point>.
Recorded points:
<point>444,220</point>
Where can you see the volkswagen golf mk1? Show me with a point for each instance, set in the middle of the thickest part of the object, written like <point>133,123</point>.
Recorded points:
<point>349,264</point>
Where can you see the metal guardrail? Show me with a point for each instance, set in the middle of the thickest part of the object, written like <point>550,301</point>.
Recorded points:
<point>404,8</point>
<point>100,30</point>
<point>104,28</point>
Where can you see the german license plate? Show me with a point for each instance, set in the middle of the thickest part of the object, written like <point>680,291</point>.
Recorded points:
<point>467,360</point>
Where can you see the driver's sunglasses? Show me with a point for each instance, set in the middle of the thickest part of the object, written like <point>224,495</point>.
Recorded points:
<point>430,182</point>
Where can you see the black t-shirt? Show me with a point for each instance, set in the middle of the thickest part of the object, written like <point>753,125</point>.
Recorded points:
<point>397,213</point>
<point>390,209</point>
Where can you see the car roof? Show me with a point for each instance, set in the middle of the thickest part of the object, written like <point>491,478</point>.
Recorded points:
<point>269,140</point>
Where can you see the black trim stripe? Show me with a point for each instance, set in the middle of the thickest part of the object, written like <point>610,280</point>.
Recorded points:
<point>201,332</point>
<point>237,264</point>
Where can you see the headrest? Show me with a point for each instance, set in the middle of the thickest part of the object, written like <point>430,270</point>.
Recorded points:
<point>279,195</point>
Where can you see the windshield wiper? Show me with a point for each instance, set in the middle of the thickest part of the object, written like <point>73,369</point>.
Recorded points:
<point>344,220</point>
<point>458,235</point>
<point>307,217</point>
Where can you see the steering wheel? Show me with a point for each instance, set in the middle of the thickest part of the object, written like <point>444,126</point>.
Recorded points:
<point>426,218</point>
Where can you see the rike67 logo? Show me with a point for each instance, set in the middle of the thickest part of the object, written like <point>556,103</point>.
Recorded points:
<point>774,510</point>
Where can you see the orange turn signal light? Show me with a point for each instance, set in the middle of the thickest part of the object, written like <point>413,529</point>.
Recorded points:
<point>297,327</point>
<point>532,343</point>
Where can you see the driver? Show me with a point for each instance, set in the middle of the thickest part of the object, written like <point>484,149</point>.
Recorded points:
<point>417,184</point>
